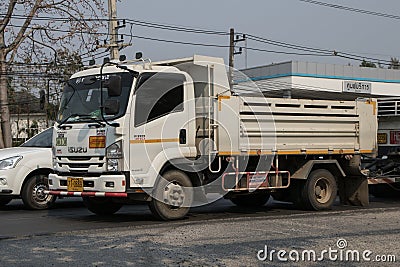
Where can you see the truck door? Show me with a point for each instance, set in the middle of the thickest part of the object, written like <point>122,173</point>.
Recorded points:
<point>160,123</point>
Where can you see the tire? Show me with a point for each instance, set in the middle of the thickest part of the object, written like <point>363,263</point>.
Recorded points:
<point>251,200</point>
<point>101,206</point>
<point>319,191</point>
<point>4,200</point>
<point>172,196</point>
<point>32,193</point>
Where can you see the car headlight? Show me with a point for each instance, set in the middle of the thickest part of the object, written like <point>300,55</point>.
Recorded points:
<point>114,151</point>
<point>9,163</point>
<point>114,157</point>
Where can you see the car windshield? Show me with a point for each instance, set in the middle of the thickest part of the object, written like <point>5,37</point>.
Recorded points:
<point>42,139</point>
<point>80,100</point>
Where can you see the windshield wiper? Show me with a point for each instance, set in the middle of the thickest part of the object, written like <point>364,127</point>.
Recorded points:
<point>96,120</point>
<point>69,117</point>
<point>81,116</point>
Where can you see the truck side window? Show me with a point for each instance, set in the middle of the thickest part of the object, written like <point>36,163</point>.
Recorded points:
<point>158,94</point>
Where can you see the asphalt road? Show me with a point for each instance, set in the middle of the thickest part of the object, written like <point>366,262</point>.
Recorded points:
<point>220,234</point>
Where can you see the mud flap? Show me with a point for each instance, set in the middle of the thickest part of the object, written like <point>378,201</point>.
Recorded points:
<point>353,190</point>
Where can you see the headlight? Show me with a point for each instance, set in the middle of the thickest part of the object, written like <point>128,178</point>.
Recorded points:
<point>9,163</point>
<point>113,165</point>
<point>114,157</point>
<point>114,151</point>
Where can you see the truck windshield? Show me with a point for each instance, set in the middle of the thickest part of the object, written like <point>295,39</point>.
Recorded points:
<point>80,100</point>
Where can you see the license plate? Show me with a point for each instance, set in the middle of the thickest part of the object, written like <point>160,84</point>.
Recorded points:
<point>61,141</point>
<point>382,138</point>
<point>75,184</point>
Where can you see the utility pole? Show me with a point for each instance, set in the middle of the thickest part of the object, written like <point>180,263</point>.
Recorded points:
<point>232,52</point>
<point>231,55</point>
<point>245,51</point>
<point>112,29</point>
<point>113,26</point>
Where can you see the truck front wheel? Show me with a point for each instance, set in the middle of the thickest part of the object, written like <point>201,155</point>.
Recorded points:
<point>33,194</point>
<point>172,196</point>
<point>101,205</point>
<point>319,191</point>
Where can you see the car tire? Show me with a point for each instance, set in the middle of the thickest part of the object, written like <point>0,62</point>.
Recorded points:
<point>33,194</point>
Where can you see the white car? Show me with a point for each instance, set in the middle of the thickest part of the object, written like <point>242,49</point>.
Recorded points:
<point>24,172</point>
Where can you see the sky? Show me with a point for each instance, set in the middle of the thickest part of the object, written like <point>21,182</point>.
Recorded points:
<point>289,21</point>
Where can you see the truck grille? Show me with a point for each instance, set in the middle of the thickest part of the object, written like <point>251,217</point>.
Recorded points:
<point>81,164</point>
<point>79,158</point>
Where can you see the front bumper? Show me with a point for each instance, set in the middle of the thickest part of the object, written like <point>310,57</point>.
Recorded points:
<point>108,183</point>
<point>84,194</point>
<point>11,181</point>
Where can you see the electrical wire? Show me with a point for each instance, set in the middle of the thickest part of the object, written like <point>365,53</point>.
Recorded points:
<point>357,10</point>
<point>311,51</point>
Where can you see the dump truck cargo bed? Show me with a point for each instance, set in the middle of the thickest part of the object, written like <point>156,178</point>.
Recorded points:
<point>297,126</point>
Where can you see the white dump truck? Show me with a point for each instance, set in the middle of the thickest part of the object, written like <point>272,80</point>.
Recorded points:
<point>170,133</point>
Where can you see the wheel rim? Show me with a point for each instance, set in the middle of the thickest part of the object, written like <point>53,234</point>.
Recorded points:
<point>38,194</point>
<point>322,190</point>
<point>174,195</point>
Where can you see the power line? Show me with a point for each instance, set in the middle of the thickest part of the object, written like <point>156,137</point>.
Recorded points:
<point>357,10</point>
<point>252,37</point>
<point>287,45</point>
<point>310,51</point>
<point>227,46</point>
<point>135,22</point>
<point>316,53</point>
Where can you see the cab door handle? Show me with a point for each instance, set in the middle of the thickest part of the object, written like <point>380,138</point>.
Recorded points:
<point>182,136</point>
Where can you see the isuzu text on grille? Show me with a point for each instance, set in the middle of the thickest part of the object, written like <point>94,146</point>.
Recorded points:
<point>77,149</point>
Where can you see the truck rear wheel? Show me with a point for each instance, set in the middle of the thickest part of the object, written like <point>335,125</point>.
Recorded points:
<point>33,194</point>
<point>172,197</point>
<point>4,200</point>
<point>101,205</point>
<point>251,200</point>
<point>319,191</point>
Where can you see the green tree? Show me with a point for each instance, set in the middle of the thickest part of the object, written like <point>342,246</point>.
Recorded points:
<point>394,63</point>
<point>367,64</point>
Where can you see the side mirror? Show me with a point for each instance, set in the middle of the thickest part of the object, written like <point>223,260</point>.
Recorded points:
<point>113,85</point>
<point>111,106</point>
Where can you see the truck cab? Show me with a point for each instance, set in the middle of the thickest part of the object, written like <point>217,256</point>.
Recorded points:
<point>118,127</point>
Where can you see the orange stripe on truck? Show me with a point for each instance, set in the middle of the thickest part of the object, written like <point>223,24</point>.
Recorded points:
<point>152,141</point>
